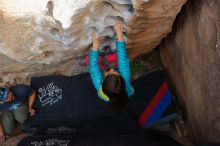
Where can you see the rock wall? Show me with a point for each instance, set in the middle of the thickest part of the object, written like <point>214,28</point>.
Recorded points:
<point>152,22</point>
<point>191,56</point>
<point>42,37</point>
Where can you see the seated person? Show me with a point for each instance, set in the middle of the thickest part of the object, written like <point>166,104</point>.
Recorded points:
<point>15,104</point>
<point>114,87</point>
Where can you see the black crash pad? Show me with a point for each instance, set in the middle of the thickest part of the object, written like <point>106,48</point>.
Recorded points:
<point>66,100</point>
<point>69,112</point>
<point>73,101</point>
<point>152,103</point>
<point>118,130</point>
<point>134,139</point>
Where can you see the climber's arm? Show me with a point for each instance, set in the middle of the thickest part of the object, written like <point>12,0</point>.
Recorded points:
<point>94,70</point>
<point>123,61</point>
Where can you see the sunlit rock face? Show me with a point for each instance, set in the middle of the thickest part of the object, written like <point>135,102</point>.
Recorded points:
<point>40,37</point>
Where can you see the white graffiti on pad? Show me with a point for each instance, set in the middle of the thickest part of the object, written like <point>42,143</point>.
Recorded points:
<point>50,94</point>
<point>60,130</point>
<point>51,142</point>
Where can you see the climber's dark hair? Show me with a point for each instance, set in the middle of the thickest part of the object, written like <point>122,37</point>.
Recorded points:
<point>114,87</point>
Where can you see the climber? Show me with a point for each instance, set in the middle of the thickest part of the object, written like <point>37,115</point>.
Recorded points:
<point>113,87</point>
<point>15,104</point>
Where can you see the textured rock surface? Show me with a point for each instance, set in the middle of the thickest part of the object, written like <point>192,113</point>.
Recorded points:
<point>152,22</point>
<point>52,37</point>
<point>191,56</point>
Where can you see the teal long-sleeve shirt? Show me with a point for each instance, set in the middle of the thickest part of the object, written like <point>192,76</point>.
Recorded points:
<point>123,68</point>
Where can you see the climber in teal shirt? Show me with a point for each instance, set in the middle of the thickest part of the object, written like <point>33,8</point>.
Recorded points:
<point>114,86</point>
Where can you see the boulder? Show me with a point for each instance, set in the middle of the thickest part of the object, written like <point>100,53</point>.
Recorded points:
<point>191,57</point>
